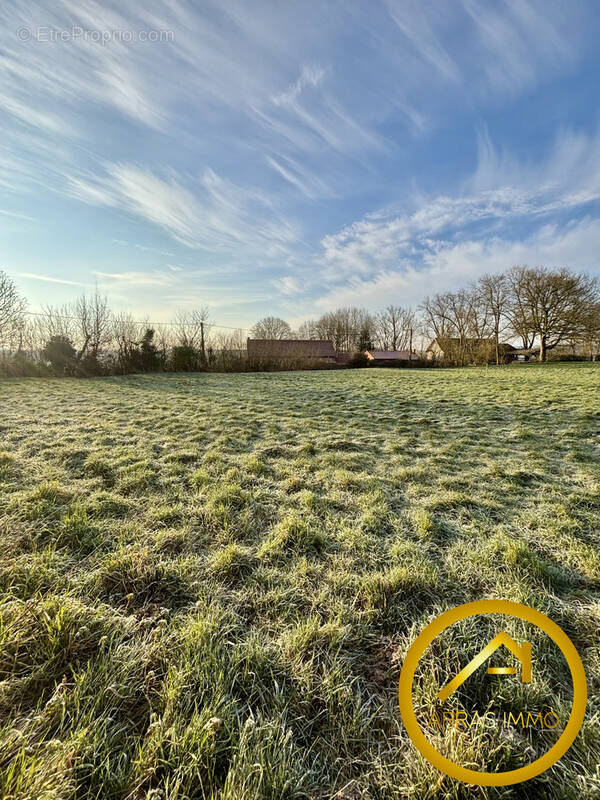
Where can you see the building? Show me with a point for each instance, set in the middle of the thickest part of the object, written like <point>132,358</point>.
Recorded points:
<point>390,356</point>
<point>524,354</point>
<point>291,350</point>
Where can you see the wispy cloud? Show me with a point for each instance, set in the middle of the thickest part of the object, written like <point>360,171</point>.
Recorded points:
<point>521,40</point>
<point>132,278</point>
<point>310,77</point>
<point>49,279</point>
<point>16,215</point>
<point>423,28</point>
<point>218,215</point>
<point>301,178</point>
<point>515,43</point>
<point>287,285</point>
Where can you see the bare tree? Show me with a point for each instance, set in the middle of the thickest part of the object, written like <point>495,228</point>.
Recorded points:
<point>164,340</point>
<point>493,292</point>
<point>308,330</point>
<point>94,320</point>
<point>551,304</point>
<point>230,349</point>
<point>126,334</point>
<point>271,328</point>
<point>347,328</point>
<point>461,323</point>
<point>589,338</point>
<point>192,328</point>
<point>56,321</point>
<point>395,328</point>
<point>12,313</point>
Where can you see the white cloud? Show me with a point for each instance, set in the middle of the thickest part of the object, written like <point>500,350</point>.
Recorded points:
<point>506,212</point>
<point>499,192</point>
<point>452,266</point>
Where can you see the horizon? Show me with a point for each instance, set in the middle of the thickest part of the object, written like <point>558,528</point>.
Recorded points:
<point>288,161</point>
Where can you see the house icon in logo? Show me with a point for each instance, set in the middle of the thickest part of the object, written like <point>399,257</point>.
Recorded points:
<point>522,652</point>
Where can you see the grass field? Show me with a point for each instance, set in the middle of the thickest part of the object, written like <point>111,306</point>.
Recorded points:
<point>209,582</point>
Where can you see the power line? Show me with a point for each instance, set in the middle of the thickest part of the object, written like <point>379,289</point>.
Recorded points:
<point>135,321</point>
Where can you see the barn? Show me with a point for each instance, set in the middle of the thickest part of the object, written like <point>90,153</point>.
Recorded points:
<point>291,350</point>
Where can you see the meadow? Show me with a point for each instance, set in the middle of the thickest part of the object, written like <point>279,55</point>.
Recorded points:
<point>208,583</point>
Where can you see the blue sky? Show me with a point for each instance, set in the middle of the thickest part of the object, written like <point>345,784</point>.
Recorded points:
<point>290,157</point>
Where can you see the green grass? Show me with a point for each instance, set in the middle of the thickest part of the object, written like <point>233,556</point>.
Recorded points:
<point>208,583</point>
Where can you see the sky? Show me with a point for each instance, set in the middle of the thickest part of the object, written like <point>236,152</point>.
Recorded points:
<point>288,157</point>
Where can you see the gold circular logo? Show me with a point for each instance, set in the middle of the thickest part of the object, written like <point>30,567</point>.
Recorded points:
<point>508,608</point>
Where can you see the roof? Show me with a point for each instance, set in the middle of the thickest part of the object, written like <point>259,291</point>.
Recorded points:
<point>391,355</point>
<point>290,348</point>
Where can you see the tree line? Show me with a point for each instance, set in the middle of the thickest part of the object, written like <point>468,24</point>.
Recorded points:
<point>523,306</point>
<point>529,307</point>
<point>350,329</point>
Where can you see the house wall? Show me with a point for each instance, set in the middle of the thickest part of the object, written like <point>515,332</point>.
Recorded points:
<point>434,351</point>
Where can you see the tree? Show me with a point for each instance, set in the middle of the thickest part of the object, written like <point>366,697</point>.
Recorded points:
<point>493,292</point>
<point>125,332</point>
<point>395,326</point>
<point>551,304</point>
<point>307,330</point>
<point>191,330</point>
<point>364,339</point>
<point>56,321</point>
<point>149,360</point>
<point>94,319</point>
<point>271,328</point>
<point>61,354</point>
<point>455,319</point>
<point>12,312</point>
<point>345,327</point>
<point>589,339</point>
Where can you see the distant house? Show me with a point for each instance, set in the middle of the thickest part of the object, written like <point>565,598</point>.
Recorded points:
<point>454,350</point>
<point>390,356</point>
<point>524,354</point>
<point>291,350</point>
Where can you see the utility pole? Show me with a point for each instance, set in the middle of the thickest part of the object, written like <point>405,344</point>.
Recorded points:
<point>410,349</point>
<point>202,352</point>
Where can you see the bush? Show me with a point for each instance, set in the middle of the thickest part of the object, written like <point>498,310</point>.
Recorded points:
<point>60,353</point>
<point>185,358</point>
<point>90,365</point>
<point>553,356</point>
<point>358,361</point>
<point>21,366</point>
